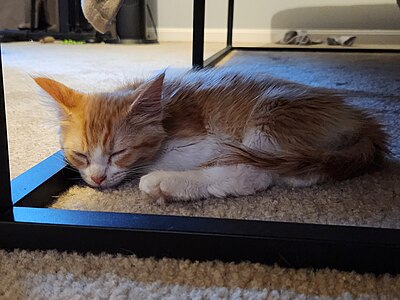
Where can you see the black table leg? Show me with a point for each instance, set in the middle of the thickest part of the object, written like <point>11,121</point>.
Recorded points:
<point>198,36</point>
<point>5,185</point>
<point>33,14</point>
<point>230,24</point>
<point>63,16</point>
<point>198,33</point>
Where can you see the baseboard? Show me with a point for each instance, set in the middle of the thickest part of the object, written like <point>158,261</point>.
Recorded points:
<point>273,35</point>
<point>213,35</point>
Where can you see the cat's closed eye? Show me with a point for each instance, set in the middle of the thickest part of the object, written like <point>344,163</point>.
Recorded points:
<point>80,156</point>
<point>116,153</point>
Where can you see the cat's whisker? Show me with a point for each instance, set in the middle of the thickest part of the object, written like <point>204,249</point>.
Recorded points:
<point>139,167</point>
<point>70,168</point>
<point>135,172</point>
<point>138,170</point>
<point>61,158</point>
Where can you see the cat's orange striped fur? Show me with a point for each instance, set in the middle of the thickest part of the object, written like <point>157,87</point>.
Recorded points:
<point>215,133</point>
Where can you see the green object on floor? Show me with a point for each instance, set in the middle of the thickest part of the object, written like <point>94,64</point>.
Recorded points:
<point>72,42</point>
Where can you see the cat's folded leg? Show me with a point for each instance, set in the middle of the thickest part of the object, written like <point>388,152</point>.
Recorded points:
<point>178,185</point>
<point>220,181</point>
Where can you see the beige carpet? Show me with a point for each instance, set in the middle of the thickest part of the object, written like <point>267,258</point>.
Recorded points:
<point>369,200</point>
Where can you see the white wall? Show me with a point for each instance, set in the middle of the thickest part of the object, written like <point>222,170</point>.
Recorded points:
<point>253,18</point>
<point>11,13</point>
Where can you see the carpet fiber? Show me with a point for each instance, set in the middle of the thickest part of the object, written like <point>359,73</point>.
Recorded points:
<point>371,200</point>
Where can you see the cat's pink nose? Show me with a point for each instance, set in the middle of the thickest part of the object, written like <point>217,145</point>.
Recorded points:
<point>98,179</point>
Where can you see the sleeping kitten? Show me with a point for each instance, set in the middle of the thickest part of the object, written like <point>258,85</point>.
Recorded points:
<point>214,133</point>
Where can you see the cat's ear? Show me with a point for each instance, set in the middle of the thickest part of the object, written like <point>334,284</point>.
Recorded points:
<point>66,97</point>
<point>148,102</point>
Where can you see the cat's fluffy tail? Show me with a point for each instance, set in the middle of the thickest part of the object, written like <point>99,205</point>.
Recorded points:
<point>366,154</point>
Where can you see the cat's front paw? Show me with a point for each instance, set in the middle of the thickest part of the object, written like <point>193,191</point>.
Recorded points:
<point>163,186</point>
<point>150,185</point>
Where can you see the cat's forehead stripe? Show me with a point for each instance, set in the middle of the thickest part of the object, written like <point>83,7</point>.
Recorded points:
<point>85,136</point>
<point>107,137</point>
<point>102,119</point>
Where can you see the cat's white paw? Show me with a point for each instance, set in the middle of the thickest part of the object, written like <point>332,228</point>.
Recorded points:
<point>150,185</point>
<point>163,186</point>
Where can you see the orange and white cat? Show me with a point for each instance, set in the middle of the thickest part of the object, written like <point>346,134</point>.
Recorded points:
<point>214,133</point>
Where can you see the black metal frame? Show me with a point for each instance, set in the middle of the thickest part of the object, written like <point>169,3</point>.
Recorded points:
<point>25,222</point>
<point>198,60</point>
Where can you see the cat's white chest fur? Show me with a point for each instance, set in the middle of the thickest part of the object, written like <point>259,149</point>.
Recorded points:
<point>186,154</point>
